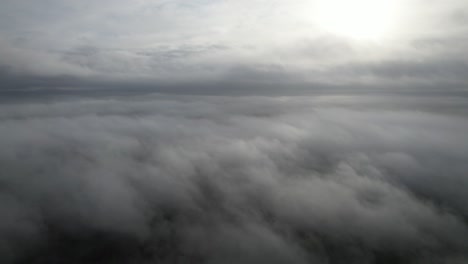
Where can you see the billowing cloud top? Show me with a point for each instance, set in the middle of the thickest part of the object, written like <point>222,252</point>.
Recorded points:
<point>170,131</point>
<point>213,179</point>
<point>72,44</point>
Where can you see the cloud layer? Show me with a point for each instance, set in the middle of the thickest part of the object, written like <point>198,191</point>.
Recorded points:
<point>369,166</point>
<point>203,179</point>
<point>222,40</point>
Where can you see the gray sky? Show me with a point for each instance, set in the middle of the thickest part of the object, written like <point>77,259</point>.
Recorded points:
<point>114,150</point>
<point>74,44</point>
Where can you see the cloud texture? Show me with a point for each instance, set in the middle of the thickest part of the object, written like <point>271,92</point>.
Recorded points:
<point>46,43</point>
<point>206,179</point>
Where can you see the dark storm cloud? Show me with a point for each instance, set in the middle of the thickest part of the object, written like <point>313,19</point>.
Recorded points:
<point>201,179</point>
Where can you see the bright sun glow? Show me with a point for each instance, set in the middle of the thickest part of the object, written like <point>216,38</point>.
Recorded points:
<point>357,19</point>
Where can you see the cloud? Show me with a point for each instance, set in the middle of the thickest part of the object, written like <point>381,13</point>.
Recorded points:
<point>178,178</point>
<point>369,166</point>
<point>430,71</point>
<point>207,41</point>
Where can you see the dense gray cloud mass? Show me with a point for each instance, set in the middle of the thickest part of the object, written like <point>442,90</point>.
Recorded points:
<point>207,179</point>
<point>233,131</point>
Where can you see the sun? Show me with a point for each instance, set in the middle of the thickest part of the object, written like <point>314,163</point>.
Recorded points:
<point>357,19</point>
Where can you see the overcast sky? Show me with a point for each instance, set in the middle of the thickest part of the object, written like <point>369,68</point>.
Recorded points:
<point>121,141</point>
<point>73,44</point>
